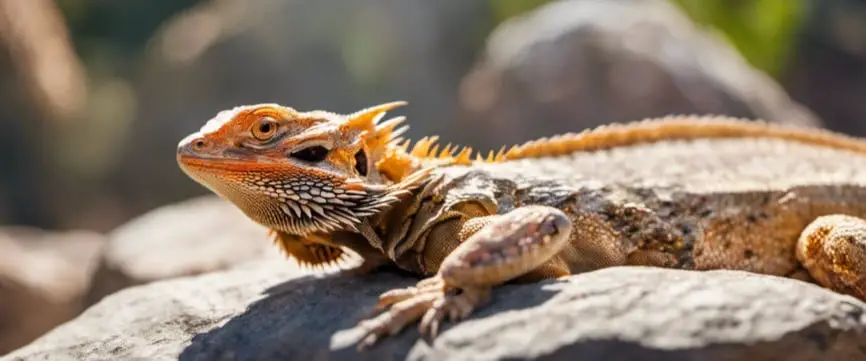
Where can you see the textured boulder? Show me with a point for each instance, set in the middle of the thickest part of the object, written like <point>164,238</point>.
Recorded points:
<point>43,279</point>
<point>188,238</point>
<point>272,312</point>
<point>571,64</point>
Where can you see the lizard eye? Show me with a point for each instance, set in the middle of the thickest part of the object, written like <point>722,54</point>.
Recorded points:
<point>264,129</point>
<point>316,153</point>
<point>361,162</point>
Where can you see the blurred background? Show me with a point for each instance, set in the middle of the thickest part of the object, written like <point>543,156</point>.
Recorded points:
<point>95,95</point>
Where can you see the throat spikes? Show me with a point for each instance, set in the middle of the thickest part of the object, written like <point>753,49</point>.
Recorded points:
<point>316,206</point>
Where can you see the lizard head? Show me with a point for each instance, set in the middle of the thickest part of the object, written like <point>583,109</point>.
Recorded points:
<point>297,172</point>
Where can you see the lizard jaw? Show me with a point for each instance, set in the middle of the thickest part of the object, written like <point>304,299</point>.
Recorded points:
<point>292,202</point>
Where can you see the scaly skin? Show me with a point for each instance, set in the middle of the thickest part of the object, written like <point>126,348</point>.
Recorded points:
<point>683,192</point>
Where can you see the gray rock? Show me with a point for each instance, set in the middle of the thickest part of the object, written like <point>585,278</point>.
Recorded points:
<point>196,236</point>
<point>272,312</point>
<point>44,277</point>
<point>575,64</point>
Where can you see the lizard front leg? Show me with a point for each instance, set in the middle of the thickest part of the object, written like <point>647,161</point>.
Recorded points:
<point>495,249</point>
<point>833,249</point>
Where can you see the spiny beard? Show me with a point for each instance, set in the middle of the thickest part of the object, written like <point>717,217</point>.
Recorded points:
<point>320,206</point>
<point>340,212</point>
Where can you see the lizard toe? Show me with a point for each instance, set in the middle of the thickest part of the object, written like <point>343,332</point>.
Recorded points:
<point>394,296</point>
<point>455,305</point>
<point>395,319</point>
<point>429,325</point>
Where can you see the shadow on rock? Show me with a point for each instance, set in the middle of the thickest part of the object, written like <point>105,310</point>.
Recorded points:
<point>618,313</point>
<point>315,318</point>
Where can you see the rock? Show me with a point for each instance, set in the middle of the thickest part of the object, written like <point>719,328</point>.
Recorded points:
<point>571,65</point>
<point>189,238</point>
<point>43,279</point>
<point>828,64</point>
<point>271,312</point>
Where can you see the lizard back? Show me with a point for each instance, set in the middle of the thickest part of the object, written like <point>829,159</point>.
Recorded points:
<point>703,203</point>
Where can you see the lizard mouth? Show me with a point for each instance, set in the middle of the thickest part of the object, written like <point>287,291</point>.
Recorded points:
<point>195,151</point>
<point>222,162</point>
<point>293,206</point>
<point>211,163</point>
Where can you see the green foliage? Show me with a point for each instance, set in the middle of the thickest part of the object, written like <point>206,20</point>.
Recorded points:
<point>762,30</point>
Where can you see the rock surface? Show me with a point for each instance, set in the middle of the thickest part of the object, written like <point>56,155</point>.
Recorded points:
<point>272,312</point>
<point>43,279</point>
<point>571,65</point>
<point>196,236</point>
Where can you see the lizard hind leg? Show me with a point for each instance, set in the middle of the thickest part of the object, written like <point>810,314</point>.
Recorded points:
<point>495,250</point>
<point>833,250</point>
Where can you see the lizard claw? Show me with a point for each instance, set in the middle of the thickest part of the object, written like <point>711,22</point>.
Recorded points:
<point>429,325</point>
<point>396,318</point>
<point>401,307</point>
<point>429,300</point>
<point>456,306</point>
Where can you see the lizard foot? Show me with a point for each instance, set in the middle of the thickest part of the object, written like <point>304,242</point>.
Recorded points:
<point>833,249</point>
<point>430,300</point>
<point>502,248</point>
<point>402,306</point>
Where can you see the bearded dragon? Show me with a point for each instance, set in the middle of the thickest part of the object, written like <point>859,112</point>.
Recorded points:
<point>687,192</point>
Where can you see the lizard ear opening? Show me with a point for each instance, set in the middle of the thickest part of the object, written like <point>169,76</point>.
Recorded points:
<point>366,119</point>
<point>308,254</point>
